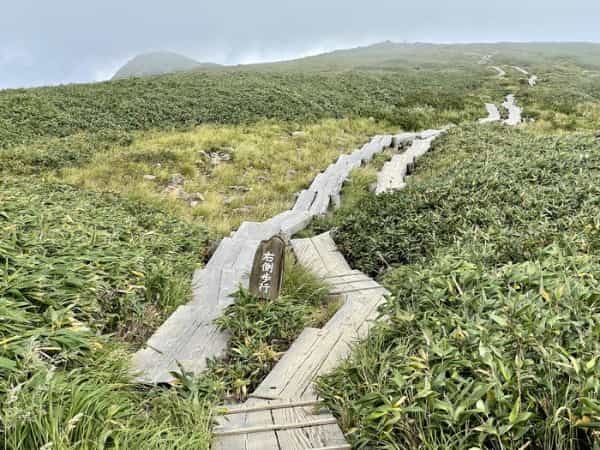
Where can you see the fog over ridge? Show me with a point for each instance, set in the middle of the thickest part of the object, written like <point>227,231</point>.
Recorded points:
<point>68,41</point>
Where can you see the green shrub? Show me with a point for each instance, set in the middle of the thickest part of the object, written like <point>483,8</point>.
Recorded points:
<point>491,255</point>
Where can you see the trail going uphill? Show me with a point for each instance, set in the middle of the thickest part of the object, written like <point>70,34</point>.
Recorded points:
<point>284,412</point>
<point>189,336</point>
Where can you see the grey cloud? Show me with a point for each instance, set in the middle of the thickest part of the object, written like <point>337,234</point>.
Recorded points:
<point>76,41</point>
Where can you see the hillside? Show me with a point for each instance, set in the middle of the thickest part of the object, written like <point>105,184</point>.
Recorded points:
<point>159,63</point>
<point>114,193</point>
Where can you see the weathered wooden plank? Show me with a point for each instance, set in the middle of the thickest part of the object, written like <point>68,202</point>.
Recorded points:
<point>274,427</point>
<point>386,141</point>
<point>295,223</point>
<point>317,183</point>
<point>320,255</point>
<point>323,435</point>
<point>300,384</point>
<point>533,79</point>
<point>428,134</point>
<point>493,114</point>
<point>332,259</point>
<point>270,406</point>
<point>272,385</point>
<point>401,139</point>
<point>305,199</point>
<point>521,70</point>
<point>514,112</point>
<point>188,337</point>
<point>257,440</point>
<point>392,176</point>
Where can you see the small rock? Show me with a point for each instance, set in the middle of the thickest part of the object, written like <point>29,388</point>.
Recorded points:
<point>194,204</point>
<point>217,158</point>
<point>149,177</point>
<point>158,165</point>
<point>262,178</point>
<point>239,188</point>
<point>177,179</point>
<point>197,196</point>
<point>298,134</point>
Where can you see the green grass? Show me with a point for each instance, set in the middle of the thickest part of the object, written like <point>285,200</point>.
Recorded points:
<point>187,100</point>
<point>491,255</point>
<point>79,271</point>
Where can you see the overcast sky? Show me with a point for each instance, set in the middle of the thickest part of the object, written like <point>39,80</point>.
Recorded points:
<point>63,41</point>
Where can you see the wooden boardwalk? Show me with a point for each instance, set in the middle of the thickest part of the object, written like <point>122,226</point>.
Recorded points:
<point>392,175</point>
<point>514,112</point>
<point>493,114</point>
<point>189,337</point>
<point>284,412</point>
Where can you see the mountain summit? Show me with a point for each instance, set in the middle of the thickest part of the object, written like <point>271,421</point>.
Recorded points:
<point>159,63</point>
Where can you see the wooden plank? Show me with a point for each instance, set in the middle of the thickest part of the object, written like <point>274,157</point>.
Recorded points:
<point>322,435</point>
<point>386,141</point>
<point>274,427</point>
<point>308,256</point>
<point>332,259</point>
<point>259,440</point>
<point>300,384</point>
<point>428,134</point>
<point>317,183</point>
<point>305,200</point>
<point>272,406</point>
<point>320,255</point>
<point>401,139</point>
<point>273,384</point>
<point>514,112</point>
<point>295,223</point>
<point>493,114</point>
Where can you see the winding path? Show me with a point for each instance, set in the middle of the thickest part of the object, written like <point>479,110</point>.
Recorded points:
<point>501,72</point>
<point>189,336</point>
<point>393,174</point>
<point>285,412</point>
<point>493,114</point>
<point>514,111</point>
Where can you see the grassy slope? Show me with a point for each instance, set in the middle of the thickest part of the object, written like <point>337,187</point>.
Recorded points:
<point>493,337</point>
<point>75,134</point>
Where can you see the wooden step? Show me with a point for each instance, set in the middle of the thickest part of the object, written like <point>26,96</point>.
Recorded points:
<point>289,427</point>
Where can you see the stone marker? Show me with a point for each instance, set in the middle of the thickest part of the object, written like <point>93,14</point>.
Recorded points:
<point>267,271</point>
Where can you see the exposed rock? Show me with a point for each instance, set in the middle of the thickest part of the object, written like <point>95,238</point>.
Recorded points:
<point>149,177</point>
<point>297,134</point>
<point>197,197</point>
<point>240,188</point>
<point>176,192</point>
<point>177,180</point>
<point>217,158</point>
<point>194,204</point>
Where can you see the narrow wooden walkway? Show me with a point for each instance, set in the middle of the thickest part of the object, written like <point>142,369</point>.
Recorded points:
<point>189,337</point>
<point>393,174</point>
<point>514,112</point>
<point>283,412</point>
<point>501,72</point>
<point>493,114</point>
